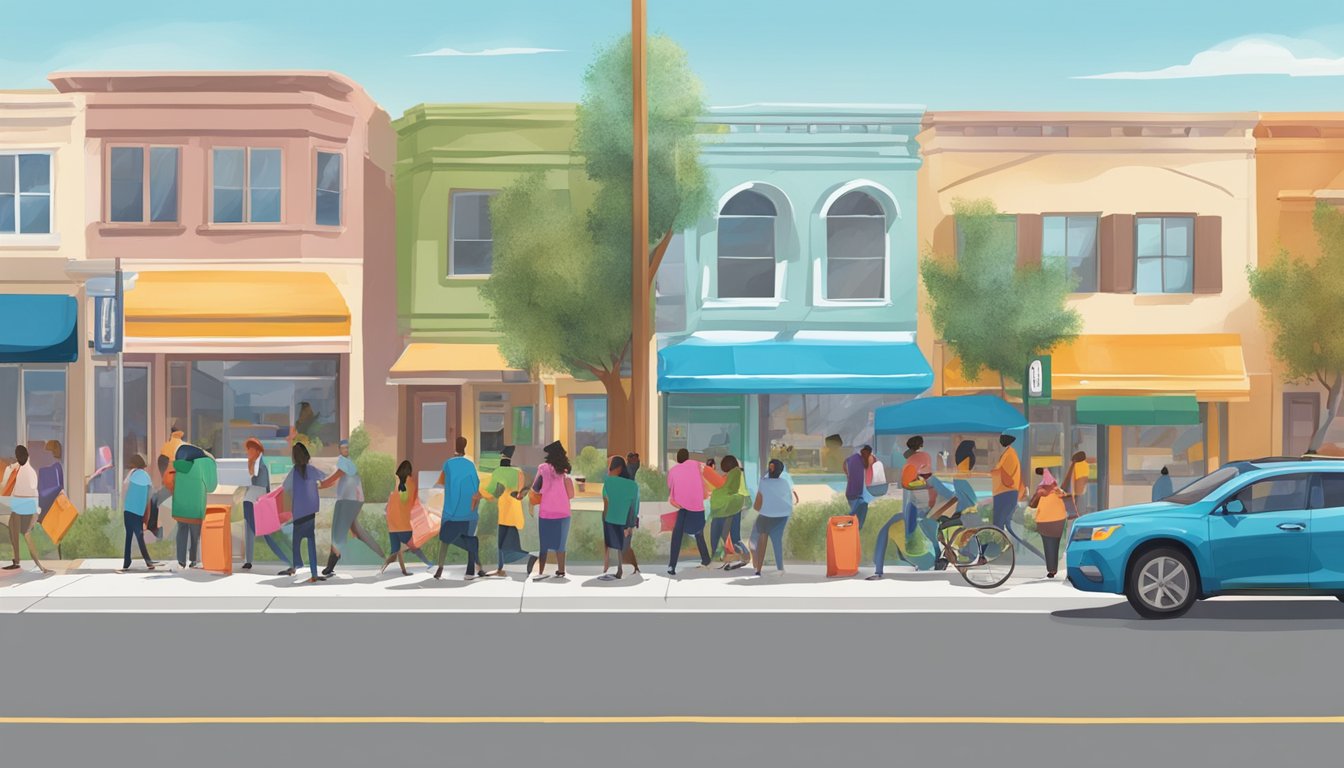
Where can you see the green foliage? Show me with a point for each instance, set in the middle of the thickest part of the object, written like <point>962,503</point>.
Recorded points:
<point>359,441</point>
<point>377,472</point>
<point>313,443</point>
<point>645,547</point>
<point>805,533</point>
<point>652,484</point>
<point>994,314</point>
<point>89,536</point>
<point>591,464</point>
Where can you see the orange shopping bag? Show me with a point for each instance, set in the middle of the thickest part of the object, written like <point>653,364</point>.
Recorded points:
<point>59,518</point>
<point>424,525</point>
<point>217,539</point>
<point>842,546</point>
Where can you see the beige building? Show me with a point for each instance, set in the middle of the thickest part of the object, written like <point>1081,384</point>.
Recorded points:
<point>45,371</point>
<point>1154,216</point>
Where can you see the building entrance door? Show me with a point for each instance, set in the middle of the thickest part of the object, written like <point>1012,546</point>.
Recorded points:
<point>435,425</point>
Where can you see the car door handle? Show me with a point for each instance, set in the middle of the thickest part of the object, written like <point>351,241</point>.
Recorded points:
<point>1292,527</point>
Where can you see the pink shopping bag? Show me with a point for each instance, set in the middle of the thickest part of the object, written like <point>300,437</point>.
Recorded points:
<point>266,513</point>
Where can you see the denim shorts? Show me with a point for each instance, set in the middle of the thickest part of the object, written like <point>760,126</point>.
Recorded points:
<point>397,540</point>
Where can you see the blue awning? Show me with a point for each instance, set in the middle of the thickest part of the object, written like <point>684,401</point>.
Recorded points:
<point>38,328</point>
<point>940,415</point>
<point>793,366</point>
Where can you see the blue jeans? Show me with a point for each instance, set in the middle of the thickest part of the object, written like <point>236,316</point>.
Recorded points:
<point>250,537</point>
<point>771,528</point>
<point>884,536</point>
<point>859,508</point>
<point>1005,504</point>
<point>188,542</point>
<point>135,529</point>
<point>734,526</point>
<point>693,523</point>
<point>306,529</point>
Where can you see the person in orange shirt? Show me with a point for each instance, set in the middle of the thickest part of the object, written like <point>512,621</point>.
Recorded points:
<point>1051,512</point>
<point>1006,481</point>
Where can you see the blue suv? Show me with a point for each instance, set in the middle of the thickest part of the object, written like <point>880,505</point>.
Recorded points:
<point>1267,526</point>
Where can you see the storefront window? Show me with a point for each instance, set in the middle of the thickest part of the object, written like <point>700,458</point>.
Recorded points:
<point>9,409</point>
<point>708,425</point>
<point>1178,448</point>
<point>232,400</point>
<point>815,433</point>
<point>492,409</point>
<point>43,406</point>
<point>590,422</point>
<point>135,417</point>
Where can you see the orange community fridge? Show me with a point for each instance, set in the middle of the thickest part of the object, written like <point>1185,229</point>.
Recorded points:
<point>842,546</point>
<point>217,539</point>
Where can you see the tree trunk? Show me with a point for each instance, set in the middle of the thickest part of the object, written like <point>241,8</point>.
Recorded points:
<point>620,421</point>
<point>1332,402</point>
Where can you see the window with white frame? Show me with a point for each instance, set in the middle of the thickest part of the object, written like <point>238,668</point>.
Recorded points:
<point>471,243</point>
<point>1071,241</point>
<point>246,186</point>
<point>329,189</point>
<point>1164,250</point>
<point>746,239</point>
<point>142,185</point>
<point>25,193</point>
<point>856,248</point>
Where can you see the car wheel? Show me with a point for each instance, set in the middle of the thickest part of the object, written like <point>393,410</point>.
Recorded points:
<point>1162,583</point>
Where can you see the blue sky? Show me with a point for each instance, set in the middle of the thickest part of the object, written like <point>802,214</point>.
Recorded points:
<point>1199,55</point>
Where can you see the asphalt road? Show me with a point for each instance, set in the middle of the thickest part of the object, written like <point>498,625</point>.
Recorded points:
<point>1227,659</point>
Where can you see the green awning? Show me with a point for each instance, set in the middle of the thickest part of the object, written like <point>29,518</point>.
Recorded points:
<point>1141,411</point>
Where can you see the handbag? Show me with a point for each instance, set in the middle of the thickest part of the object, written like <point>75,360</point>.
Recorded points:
<point>424,526</point>
<point>266,513</point>
<point>59,518</point>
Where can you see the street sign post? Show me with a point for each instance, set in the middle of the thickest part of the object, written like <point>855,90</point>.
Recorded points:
<point>108,326</point>
<point>1035,384</point>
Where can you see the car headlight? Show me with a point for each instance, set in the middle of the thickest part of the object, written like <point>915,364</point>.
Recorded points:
<point>1094,533</point>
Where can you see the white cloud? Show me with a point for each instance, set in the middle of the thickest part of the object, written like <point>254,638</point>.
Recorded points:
<point>1253,55</point>
<point>489,52</point>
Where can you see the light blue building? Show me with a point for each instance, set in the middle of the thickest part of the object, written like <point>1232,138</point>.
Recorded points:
<point>788,314</point>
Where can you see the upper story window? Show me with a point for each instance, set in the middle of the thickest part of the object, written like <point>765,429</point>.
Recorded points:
<point>142,186</point>
<point>1071,241</point>
<point>1164,249</point>
<point>471,244</point>
<point>856,248</point>
<point>25,193</point>
<point>746,233</point>
<point>246,186</point>
<point>329,189</point>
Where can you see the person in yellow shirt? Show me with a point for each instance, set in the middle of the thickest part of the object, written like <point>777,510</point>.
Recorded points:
<point>1006,482</point>
<point>174,441</point>
<point>1050,515</point>
<point>506,486</point>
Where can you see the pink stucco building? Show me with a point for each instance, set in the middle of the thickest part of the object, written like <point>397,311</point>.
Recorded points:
<point>257,211</point>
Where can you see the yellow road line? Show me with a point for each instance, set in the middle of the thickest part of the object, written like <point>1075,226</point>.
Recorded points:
<point>676,720</point>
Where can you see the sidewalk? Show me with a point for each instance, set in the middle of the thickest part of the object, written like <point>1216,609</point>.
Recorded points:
<point>93,586</point>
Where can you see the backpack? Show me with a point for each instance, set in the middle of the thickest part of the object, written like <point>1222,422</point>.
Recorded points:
<point>910,479</point>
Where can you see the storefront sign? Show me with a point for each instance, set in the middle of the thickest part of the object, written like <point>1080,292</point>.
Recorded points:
<point>1038,378</point>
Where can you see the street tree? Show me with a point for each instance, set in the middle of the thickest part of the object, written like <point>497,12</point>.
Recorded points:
<point>561,279</point>
<point>1300,300</point>
<point>995,313</point>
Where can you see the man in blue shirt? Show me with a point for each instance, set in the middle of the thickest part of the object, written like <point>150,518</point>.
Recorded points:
<point>133,511</point>
<point>461,493</point>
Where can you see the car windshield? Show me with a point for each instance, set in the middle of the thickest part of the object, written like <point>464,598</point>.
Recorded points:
<point>1205,485</point>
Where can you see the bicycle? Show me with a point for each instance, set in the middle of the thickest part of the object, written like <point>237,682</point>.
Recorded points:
<point>983,555</point>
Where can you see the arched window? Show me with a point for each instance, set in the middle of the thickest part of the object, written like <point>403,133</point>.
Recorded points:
<point>747,247</point>
<point>856,248</point>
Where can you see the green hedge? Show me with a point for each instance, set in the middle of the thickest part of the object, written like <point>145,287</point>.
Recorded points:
<point>378,473</point>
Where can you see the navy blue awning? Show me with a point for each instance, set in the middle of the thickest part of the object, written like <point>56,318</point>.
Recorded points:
<point>38,328</point>
<point>793,366</point>
<point>941,415</point>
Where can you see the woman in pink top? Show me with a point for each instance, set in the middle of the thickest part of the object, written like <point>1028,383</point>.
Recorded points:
<point>556,489</point>
<point>686,492</point>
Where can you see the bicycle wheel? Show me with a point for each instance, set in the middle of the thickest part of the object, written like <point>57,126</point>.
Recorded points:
<point>986,557</point>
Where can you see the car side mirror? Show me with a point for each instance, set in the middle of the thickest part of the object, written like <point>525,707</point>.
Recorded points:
<point>1234,507</point>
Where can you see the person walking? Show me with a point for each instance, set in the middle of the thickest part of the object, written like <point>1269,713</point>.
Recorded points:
<point>505,487</point>
<point>22,487</point>
<point>775,499</point>
<point>259,484</point>
<point>1006,483</point>
<point>135,506</point>
<point>1048,501</point>
<point>856,482</point>
<point>556,488</point>
<point>400,501</point>
<point>461,496</point>
<point>1162,486</point>
<point>620,515</point>
<point>302,487</point>
<point>686,492</point>
<point>726,503</point>
<point>349,502</point>
<point>51,478</point>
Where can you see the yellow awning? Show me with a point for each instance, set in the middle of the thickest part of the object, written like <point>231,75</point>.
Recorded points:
<point>429,359</point>
<point>1209,366</point>
<point>224,304</point>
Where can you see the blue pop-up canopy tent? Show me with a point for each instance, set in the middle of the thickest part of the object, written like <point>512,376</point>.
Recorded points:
<point>939,415</point>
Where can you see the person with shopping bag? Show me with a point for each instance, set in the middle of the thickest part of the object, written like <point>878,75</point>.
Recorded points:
<point>22,488</point>
<point>259,484</point>
<point>726,503</point>
<point>505,487</point>
<point>1051,513</point>
<point>302,487</point>
<point>403,499</point>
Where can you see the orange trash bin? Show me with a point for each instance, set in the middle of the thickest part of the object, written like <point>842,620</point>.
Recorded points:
<point>217,539</point>
<point>843,550</point>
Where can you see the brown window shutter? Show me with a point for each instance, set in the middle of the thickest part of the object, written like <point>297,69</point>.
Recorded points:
<point>1029,229</point>
<point>1208,254</point>
<point>1116,257</point>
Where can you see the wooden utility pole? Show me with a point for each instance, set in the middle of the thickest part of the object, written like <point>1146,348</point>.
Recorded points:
<point>639,256</point>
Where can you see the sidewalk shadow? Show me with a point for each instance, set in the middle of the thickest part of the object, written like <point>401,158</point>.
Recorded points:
<point>788,578</point>
<point>1238,616</point>
<point>629,580</point>
<point>433,584</point>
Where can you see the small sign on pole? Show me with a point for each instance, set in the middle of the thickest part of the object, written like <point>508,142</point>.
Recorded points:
<point>107,324</point>
<point>1038,378</point>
